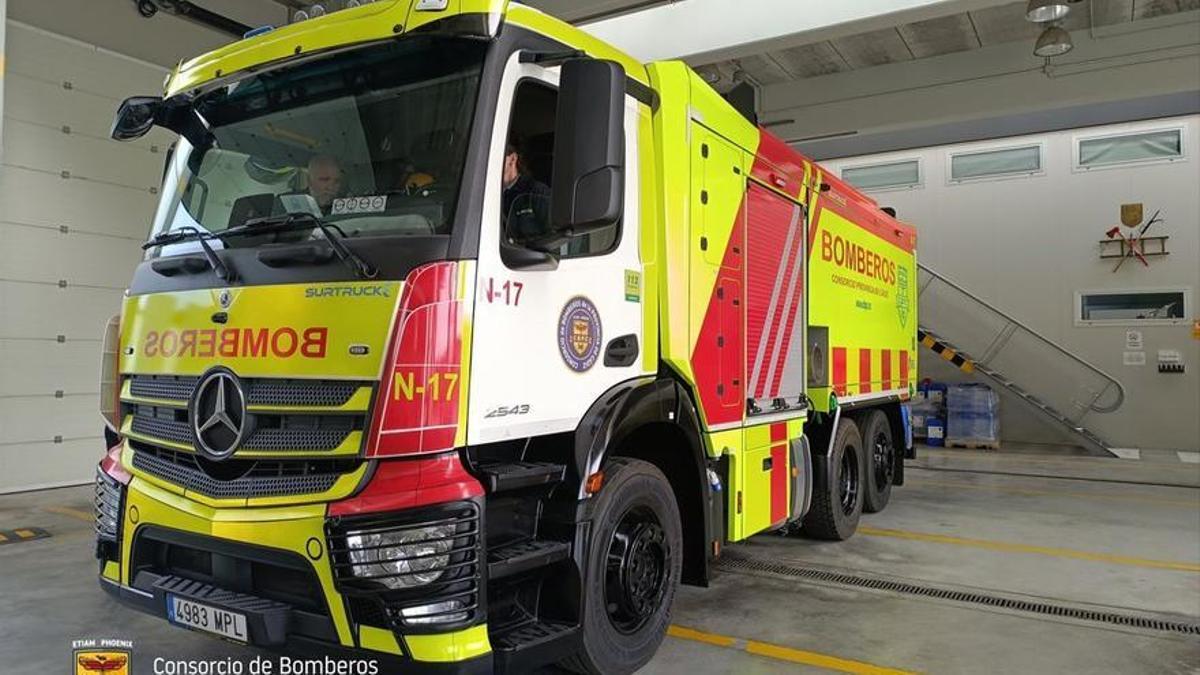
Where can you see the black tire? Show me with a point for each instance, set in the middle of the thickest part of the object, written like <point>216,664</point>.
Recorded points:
<point>838,490</point>
<point>880,451</point>
<point>631,578</point>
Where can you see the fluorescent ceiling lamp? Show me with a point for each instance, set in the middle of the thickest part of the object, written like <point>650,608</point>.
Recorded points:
<point>1041,11</point>
<point>1054,41</point>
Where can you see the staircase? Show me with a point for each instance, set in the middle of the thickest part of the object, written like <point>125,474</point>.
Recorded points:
<point>980,338</point>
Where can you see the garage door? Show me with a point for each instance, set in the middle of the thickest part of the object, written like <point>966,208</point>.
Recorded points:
<point>74,207</point>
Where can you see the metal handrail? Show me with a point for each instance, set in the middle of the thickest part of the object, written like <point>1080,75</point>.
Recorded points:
<point>1112,381</point>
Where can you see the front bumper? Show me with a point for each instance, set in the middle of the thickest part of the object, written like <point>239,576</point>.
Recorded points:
<point>291,540</point>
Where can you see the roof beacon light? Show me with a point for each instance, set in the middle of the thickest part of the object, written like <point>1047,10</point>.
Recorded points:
<point>299,16</point>
<point>317,11</point>
<point>261,30</point>
<point>1041,11</point>
<point>1054,41</point>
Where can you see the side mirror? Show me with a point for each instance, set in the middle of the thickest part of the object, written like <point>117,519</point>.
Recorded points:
<point>136,117</point>
<point>589,146</point>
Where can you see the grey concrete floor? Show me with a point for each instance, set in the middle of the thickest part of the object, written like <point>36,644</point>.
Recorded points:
<point>1103,533</point>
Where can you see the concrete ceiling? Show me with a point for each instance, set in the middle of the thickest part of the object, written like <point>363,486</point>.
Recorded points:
<point>116,25</point>
<point>960,32</point>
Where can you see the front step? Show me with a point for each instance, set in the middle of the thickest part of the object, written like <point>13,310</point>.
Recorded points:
<point>513,559</point>
<point>532,644</point>
<point>503,476</point>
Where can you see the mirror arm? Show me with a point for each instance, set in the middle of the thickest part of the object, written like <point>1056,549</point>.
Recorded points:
<point>551,59</point>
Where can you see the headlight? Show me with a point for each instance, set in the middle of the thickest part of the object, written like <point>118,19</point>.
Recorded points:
<point>402,559</point>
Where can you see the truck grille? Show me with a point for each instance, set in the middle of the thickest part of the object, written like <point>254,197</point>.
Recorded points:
<point>305,432</point>
<point>240,478</point>
<point>278,392</point>
<point>287,449</point>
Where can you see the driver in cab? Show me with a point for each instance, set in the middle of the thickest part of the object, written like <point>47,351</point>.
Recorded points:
<point>525,206</point>
<point>325,181</point>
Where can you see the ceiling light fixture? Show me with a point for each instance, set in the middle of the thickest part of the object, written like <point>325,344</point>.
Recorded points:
<point>1041,11</point>
<point>1054,41</point>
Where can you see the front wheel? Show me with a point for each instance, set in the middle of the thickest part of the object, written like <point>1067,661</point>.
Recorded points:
<point>633,565</point>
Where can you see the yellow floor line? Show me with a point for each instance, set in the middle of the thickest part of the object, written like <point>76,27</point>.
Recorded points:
<point>1009,547</point>
<point>1059,493</point>
<point>782,653</point>
<point>79,514</point>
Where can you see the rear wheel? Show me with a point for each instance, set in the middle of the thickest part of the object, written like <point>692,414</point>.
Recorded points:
<point>838,497</point>
<point>633,565</point>
<point>881,461</point>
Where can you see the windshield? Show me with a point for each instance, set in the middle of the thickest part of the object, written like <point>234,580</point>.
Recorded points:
<point>371,140</point>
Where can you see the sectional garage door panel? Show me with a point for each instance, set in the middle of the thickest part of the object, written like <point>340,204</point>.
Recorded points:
<point>47,311</point>
<point>26,420</point>
<point>41,367</point>
<point>29,466</point>
<point>48,255</point>
<point>43,197</point>
<point>74,207</point>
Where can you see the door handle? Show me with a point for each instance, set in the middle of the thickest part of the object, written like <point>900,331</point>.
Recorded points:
<point>621,351</point>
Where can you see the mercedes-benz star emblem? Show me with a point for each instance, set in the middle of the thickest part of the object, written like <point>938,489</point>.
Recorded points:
<point>225,299</point>
<point>218,414</point>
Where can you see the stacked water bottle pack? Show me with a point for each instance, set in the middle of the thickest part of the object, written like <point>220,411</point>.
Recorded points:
<point>929,413</point>
<point>972,416</point>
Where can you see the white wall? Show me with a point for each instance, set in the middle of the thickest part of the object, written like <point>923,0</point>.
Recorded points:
<point>74,207</point>
<point>1028,244</point>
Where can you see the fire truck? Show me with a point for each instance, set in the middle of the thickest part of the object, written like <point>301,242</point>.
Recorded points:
<point>462,338</point>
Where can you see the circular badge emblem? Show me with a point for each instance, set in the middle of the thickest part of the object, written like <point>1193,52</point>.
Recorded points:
<point>579,334</point>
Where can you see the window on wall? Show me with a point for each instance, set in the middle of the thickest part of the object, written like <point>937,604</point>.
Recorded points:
<point>1017,161</point>
<point>890,175</point>
<point>1131,306</point>
<point>1162,145</point>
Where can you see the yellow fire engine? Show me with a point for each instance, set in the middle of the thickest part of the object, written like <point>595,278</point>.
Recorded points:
<point>462,338</point>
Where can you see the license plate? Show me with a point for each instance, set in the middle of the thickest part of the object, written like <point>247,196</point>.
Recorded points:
<point>198,616</point>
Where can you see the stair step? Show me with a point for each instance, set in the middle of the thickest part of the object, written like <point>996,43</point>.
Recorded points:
<point>512,559</point>
<point>503,476</point>
<point>529,645</point>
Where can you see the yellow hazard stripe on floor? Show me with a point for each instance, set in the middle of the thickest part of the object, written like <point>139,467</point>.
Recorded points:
<point>22,534</point>
<point>1009,547</point>
<point>78,514</point>
<point>781,653</point>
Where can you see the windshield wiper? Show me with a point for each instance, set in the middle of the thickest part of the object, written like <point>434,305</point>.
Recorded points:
<point>302,220</point>
<point>189,233</point>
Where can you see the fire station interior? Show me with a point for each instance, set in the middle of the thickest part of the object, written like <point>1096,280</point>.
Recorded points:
<point>1045,151</point>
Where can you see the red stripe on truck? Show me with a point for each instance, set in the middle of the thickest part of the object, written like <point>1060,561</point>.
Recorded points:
<point>864,371</point>
<point>839,370</point>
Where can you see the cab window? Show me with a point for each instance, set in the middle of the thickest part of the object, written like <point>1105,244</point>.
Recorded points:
<point>528,159</point>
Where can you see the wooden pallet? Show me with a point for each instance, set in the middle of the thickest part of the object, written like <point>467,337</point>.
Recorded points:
<point>973,444</point>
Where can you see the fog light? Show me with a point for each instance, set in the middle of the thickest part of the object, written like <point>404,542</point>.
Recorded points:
<point>403,559</point>
<point>438,612</point>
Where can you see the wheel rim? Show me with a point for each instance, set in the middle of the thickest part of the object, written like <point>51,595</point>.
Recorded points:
<point>884,459</point>
<point>848,483</point>
<point>637,568</point>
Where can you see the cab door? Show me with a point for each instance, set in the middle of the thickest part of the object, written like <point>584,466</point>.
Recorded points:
<point>547,343</point>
